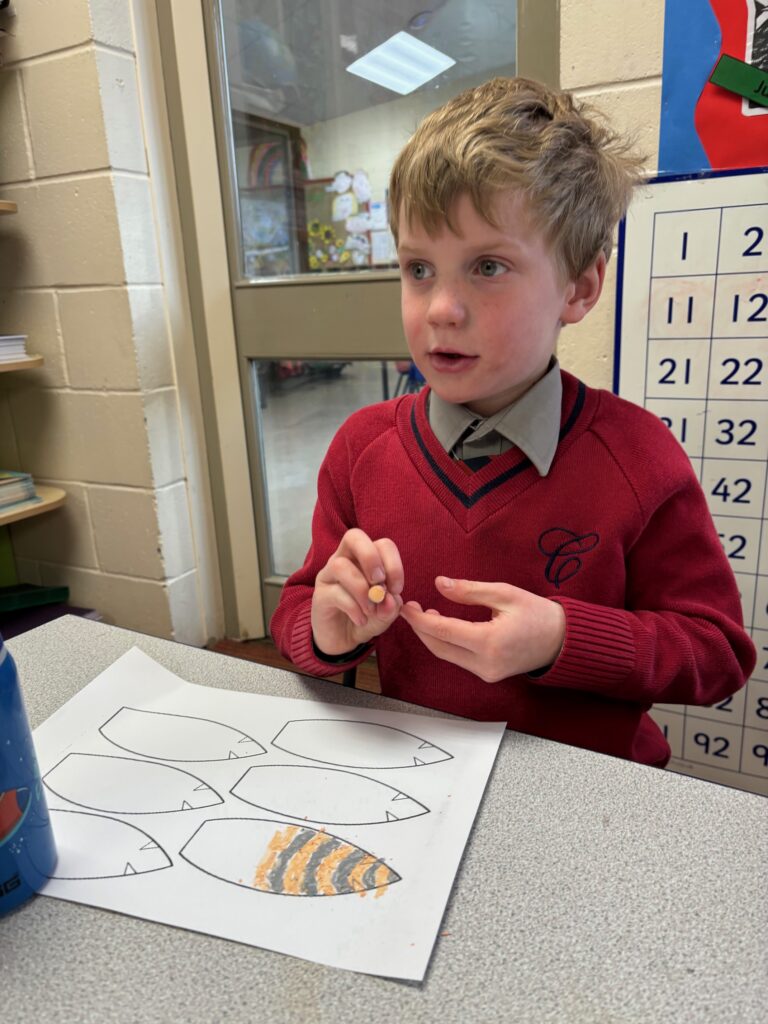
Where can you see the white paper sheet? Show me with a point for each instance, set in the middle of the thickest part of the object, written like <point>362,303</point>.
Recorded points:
<point>321,831</point>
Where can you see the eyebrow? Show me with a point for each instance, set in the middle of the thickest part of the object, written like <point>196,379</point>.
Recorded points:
<point>487,246</point>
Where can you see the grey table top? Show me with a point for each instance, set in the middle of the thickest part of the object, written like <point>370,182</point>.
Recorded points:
<point>592,890</point>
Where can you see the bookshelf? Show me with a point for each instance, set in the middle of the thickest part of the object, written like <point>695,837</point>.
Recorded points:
<point>28,363</point>
<point>49,497</point>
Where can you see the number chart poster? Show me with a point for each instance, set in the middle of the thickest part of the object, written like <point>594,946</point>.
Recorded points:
<point>692,347</point>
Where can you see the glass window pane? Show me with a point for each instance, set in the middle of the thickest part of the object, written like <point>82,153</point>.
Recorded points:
<point>300,406</point>
<point>314,135</point>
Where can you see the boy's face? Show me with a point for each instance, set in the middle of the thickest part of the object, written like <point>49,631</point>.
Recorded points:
<point>482,307</point>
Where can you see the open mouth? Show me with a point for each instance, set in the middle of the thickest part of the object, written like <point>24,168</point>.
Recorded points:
<point>451,361</point>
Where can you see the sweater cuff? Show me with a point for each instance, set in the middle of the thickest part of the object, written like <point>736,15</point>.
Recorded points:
<point>302,650</point>
<point>599,648</point>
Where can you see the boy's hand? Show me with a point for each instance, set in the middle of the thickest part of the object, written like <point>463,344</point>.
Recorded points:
<point>343,616</point>
<point>525,633</point>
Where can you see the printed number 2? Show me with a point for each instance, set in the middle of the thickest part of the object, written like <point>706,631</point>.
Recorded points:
<point>752,249</point>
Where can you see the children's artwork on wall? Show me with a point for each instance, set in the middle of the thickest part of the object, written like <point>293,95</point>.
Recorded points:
<point>706,126</point>
<point>322,831</point>
<point>338,221</point>
<point>269,181</point>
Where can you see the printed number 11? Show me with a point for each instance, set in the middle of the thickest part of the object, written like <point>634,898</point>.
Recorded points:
<point>671,308</point>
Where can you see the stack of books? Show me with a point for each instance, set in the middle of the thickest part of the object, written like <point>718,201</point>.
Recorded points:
<point>12,347</point>
<point>16,488</point>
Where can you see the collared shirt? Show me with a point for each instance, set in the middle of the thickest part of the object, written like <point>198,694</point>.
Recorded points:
<point>532,423</point>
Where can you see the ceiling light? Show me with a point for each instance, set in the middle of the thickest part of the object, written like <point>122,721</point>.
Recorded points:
<point>401,64</point>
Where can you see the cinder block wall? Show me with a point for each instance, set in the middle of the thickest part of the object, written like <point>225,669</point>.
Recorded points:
<point>610,56</point>
<point>80,274</point>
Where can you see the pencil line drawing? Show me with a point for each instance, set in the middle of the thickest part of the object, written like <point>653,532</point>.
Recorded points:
<point>123,785</point>
<point>92,846</point>
<point>356,744</point>
<point>284,859</point>
<point>330,796</point>
<point>171,737</point>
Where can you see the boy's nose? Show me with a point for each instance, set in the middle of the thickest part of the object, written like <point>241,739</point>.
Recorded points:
<point>447,307</point>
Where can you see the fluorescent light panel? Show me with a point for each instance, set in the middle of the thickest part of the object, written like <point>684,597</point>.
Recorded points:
<point>401,63</point>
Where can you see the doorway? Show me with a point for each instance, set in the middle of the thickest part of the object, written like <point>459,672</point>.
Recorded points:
<point>311,103</point>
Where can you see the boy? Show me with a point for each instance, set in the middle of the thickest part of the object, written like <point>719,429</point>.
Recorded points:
<point>546,550</point>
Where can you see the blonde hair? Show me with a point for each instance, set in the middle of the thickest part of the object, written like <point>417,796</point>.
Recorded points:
<point>513,133</point>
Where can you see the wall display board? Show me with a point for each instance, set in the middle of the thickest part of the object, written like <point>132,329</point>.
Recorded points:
<point>706,125</point>
<point>692,347</point>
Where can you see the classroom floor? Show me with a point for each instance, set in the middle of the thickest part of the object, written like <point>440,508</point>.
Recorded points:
<point>265,652</point>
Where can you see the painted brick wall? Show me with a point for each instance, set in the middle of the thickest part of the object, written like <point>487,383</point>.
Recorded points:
<point>81,276</point>
<point>610,56</point>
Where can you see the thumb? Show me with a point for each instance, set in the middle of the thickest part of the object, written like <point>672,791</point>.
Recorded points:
<point>490,595</point>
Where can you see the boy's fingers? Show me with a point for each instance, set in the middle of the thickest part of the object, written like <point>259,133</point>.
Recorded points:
<point>490,595</point>
<point>346,574</point>
<point>358,547</point>
<point>458,655</point>
<point>392,565</point>
<point>338,599</point>
<point>468,636</point>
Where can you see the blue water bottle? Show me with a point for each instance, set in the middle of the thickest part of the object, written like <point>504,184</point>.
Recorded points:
<point>27,848</point>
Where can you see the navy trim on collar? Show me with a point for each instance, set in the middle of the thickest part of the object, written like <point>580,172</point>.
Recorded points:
<point>468,500</point>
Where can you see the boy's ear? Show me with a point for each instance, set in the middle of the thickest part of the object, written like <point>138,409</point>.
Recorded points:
<point>584,292</point>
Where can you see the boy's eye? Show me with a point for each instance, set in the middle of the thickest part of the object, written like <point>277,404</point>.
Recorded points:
<point>419,271</point>
<point>490,268</point>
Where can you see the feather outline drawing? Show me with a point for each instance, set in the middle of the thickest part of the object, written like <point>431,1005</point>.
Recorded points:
<point>356,744</point>
<point>171,737</point>
<point>330,796</point>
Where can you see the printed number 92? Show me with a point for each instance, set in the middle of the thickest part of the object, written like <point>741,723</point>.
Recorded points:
<point>708,744</point>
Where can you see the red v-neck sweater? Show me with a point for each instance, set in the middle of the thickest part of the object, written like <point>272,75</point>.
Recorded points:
<point>618,533</point>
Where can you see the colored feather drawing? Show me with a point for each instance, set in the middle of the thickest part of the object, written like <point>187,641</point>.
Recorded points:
<point>356,744</point>
<point>122,785</point>
<point>327,795</point>
<point>285,860</point>
<point>170,737</point>
<point>92,846</point>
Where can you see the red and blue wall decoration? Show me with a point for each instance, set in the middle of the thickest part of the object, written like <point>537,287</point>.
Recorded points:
<point>704,126</point>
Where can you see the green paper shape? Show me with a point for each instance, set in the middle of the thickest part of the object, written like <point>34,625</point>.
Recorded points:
<point>744,79</point>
